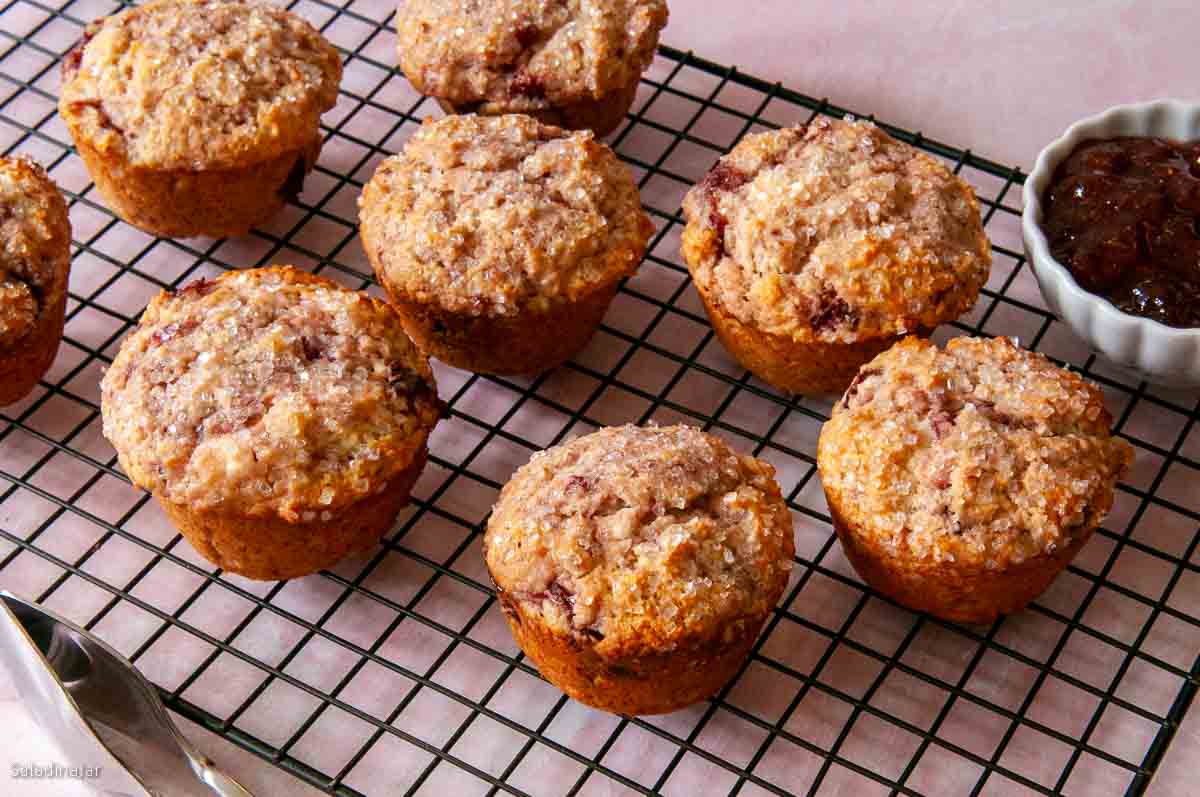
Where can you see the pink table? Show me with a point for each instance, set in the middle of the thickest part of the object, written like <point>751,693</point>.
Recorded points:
<point>1002,78</point>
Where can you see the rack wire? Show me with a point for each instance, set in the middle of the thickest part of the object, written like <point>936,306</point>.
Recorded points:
<point>396,668</point>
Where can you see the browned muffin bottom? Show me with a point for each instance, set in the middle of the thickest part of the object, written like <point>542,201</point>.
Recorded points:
<point>816,248</point>
<point>501,240</point>
<point>35,259</point>
<point>601,116</point>
<point>198,117</point>
<point>636,566</point>
<point>527,343</point>
<point>573,64</point>
<point>279,418</point>
<point>962,480</point>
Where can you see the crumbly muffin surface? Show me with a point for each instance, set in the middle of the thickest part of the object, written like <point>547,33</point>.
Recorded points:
<point>835,232</point>
<point>491,215</point>
<point>980,453</point>
<point>526,54</point>
<point>267,391</point>
<point>34,246</point>
<point>650,535</point>
<point>199,84</point>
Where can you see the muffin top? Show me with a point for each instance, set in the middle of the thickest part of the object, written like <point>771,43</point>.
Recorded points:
<point>835,232</point>
<point>35,247</point>
<point>490,215</point>
<point>980,453</point>
<point>522,55</point>
<point>641,538</point>
<point>199,84</point>
<point>267,391</point>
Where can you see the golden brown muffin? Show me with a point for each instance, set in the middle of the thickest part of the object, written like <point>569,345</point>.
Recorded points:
<point>816,248</point>
<point>501,240</point>
<point>575,64</point>
<point>199,117</point>
<point>279,418</point>
<point>962,481</point>
<point>636,566</point>
<point>35,261</point>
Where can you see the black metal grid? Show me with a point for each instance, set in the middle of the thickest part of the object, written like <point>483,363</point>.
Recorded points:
<point>838,673</point>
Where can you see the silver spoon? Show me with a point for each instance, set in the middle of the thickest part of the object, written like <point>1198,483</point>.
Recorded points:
<point>64,672</point>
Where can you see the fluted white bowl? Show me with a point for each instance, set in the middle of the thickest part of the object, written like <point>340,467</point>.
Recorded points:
<point>1148,349</point>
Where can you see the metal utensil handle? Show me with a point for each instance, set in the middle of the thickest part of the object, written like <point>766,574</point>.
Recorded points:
<point>112,700</point>
<point>216,780</point>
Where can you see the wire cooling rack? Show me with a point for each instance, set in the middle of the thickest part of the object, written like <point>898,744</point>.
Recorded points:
<point>394,673</point>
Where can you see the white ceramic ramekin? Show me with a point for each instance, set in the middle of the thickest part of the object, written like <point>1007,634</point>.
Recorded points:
<point>1150,350</point>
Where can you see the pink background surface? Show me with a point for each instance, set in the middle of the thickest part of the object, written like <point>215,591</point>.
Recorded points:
<point>1003,80</point>
<point>1002,77</point>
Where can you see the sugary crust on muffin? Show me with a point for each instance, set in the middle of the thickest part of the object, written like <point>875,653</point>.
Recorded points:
<point>981,453</point>
<point>199,84</point>
<point>642,539</point>
<point>35,241</point>
<point>523,55</point>
<point>493,215</point>
<point>267,391</point>
<point>835,232</point>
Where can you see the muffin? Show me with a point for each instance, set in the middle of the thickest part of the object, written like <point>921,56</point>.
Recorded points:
<point>816,248</point>
<point>198,117</point>
<point>962,480</point>
<point>35,258</point>
<point>279,418</point>
<point>574,64</point>
<point>636,566</point>
<point>502,240</point>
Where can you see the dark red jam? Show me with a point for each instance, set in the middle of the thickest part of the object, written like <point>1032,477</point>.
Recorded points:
<point>1124,216</point>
